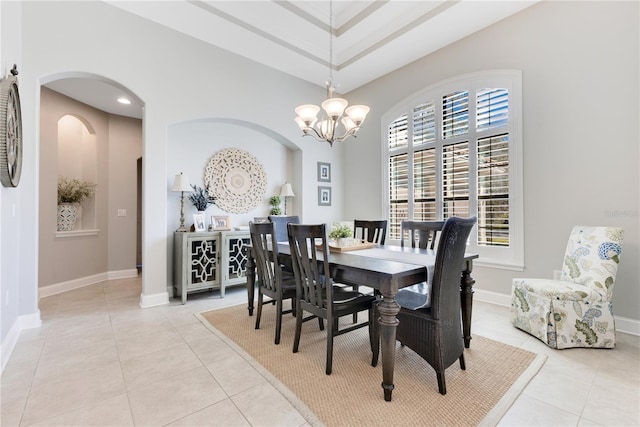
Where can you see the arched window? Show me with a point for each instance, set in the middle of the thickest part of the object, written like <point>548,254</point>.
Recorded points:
<point>455,149</point>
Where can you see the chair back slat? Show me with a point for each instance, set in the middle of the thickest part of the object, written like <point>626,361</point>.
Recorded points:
<point>305,247</point>
<point>262,240</point>
<point>424,233</point>
<point>371,231</point>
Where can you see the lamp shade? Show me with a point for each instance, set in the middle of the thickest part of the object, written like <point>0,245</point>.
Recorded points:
<point>334,107</point>
<point>307,112</point>
<point>286,190</point>
<point>181,183</point>
<point>357,113</point>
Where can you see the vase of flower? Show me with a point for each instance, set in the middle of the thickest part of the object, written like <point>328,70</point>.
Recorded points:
<point>341,234</point>
<point>67,216</point>
<point>71,193</point>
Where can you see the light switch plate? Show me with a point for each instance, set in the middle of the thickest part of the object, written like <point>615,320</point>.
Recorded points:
<point>122,212</point>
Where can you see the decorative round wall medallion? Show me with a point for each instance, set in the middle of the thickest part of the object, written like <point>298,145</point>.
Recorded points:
<point>10,132</point>
<point>236,179</point>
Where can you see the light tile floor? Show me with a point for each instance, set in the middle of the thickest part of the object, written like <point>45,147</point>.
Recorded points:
<point>99,359</point>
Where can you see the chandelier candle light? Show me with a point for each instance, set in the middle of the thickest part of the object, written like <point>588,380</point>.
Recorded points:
<point>338,122</point>
<point>181,184</point>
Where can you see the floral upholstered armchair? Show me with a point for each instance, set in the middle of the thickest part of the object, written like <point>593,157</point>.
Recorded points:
<point>575,311</point>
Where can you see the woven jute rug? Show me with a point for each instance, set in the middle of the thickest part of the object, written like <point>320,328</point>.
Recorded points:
<point>352,395</point>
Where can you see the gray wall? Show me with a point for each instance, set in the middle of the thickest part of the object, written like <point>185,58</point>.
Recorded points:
<point>178,79</point>
<point>580,77</point>
<point>579,62</point>
<point>125,148</point>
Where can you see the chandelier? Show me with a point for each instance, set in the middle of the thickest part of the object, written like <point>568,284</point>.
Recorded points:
<point>337,122</point>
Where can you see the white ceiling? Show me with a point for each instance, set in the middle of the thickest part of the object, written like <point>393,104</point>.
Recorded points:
<point>371,38</point>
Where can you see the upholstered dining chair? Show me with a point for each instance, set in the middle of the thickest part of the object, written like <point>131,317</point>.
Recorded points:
<point>424,233</point>
<point>316,293</point>
<point>434,332</point>
<point>272,282</point>
<point>576,310</point>
<point>371,231</point>
<point>280,225</point>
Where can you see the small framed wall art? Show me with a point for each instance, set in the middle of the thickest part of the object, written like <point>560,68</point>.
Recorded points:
<point>324,172</point>
<point>221,223</point>
<point>324,196</point>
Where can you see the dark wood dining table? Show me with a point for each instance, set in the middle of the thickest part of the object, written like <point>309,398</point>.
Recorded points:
<point>385,270</point>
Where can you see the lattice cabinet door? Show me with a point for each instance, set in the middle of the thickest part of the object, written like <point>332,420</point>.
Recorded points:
<point>234,258</point>
<point>197,262</point>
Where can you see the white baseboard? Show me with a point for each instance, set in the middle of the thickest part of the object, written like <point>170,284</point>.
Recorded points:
<point>9,343</point>
<point>147,301</point>
<point>492,297</point>
<point>122,274</point>
<point>70,285</point>
<point>627,326</point>
<point>623,324</point>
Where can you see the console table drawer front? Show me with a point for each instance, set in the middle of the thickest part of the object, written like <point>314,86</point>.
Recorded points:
<point>203,262</point>
<point>235,263</point>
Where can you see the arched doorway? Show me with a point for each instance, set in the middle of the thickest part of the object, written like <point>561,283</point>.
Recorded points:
<point>103,245</point>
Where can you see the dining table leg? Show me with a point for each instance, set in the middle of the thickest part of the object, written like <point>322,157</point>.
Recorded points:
<point>251,280</point>
<point>466,301</point>
<point>388,309</point>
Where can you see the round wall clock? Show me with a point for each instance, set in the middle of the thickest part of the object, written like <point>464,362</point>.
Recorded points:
<point>236,179</point>
<point>10,131</point>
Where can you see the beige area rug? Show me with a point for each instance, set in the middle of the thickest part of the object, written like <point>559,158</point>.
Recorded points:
<point>352,395</point>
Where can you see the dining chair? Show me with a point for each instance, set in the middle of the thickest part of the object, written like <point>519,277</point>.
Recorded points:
<point>434,332</point>
<point>371,231</point>
<point>280,225</point>
<point>425,233</point>
<point>318,295</point>
<point>374,231</point>
<point>271,280</point>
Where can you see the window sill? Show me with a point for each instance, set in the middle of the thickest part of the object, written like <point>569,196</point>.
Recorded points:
<point>77,233</point>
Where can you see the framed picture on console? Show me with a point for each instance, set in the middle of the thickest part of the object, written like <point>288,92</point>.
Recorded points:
<point>198,222</point>
<point>221,223</point>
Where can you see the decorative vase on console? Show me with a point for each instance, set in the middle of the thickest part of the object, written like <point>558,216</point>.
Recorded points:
<point>71,192</point>
<point>201,199</point>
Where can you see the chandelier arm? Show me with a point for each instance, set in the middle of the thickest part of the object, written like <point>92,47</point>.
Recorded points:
<point>351,132</point>
<point>317,136</point>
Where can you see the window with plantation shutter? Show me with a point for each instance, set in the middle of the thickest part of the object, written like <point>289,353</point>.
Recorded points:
<point>455,180</point>
<point>455,149</point>
<point>455,114</point>
<point>424,185</point>
<point>398,192</point>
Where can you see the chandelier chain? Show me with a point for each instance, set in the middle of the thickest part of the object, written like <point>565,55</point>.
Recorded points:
<point>337,122</point>
<point>331,42</point>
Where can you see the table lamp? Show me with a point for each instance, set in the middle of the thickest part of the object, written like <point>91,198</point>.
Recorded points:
<point>285,192</point>
<point>181,184</point>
